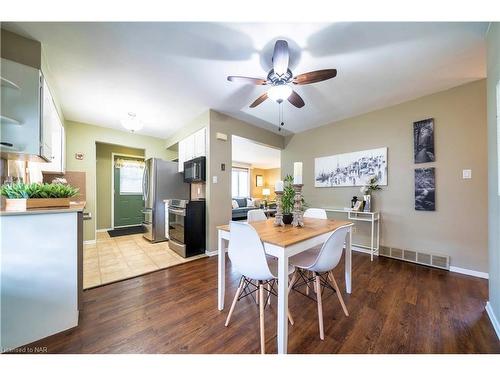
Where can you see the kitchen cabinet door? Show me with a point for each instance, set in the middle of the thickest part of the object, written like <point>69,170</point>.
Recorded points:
<point>20,109</point>
<point>200,143</point>
<point>190,150</point>
<point>182,155</point>
<point>53,135</point>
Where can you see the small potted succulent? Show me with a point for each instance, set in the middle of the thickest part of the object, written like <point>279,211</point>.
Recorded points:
<point>21,196</point>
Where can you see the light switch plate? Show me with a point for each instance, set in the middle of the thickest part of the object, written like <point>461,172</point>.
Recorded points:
<point>467,174</point>
<point>214,179</point>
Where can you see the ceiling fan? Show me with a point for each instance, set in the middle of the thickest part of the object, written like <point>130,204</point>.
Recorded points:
<point>280,78</point>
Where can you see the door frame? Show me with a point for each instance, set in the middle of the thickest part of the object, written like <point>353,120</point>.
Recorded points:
<point>113,154</point>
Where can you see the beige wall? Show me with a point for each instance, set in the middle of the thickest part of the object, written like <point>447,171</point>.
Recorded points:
<point>104,164</point>
<point>493,40</point>
<point>270,177</point>
<point>458,227</point>
<point>83,137</point>
<point>219,195</point>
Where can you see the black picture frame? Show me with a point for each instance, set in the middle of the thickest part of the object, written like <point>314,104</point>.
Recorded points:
<point>423,141</point>
<point>425,189</point>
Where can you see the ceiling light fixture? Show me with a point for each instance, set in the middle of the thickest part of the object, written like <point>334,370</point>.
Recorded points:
<point>132,123</point>
<point>279,93</point>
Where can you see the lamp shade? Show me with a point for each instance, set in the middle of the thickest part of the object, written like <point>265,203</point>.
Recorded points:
<point>266,191</point>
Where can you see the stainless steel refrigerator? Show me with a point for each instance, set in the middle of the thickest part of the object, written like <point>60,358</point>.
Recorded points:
<point>161,181</point>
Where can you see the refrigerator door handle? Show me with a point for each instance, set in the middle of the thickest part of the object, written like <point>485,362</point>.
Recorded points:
<point>145,184</point>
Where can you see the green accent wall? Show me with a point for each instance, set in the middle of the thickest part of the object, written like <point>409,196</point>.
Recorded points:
<point>82,138</point>
<point>103,179</point>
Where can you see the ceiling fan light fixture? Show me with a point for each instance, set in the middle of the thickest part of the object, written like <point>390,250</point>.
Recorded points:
<point>279,93</point>
<point>131,122</point>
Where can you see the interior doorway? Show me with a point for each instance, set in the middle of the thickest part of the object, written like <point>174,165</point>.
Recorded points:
<point>123,190</point>
<point>254,171</point>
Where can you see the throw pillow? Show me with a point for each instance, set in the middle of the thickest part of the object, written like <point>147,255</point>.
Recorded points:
<point>235,204</point>
<point>250,203</point>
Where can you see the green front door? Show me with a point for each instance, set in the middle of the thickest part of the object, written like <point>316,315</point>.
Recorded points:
<point>128,202</point>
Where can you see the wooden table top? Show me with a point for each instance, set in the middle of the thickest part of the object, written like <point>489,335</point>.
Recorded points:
<point>289,235</point>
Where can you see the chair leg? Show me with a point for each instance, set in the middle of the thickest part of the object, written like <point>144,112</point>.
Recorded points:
<point>339,295</point>
<point>261,308</point>
<point>314,283</point>
<point>290,286</point>
<point>269,293</point>
<point>320,306</point>
<point>307,284</point>
<point>238,292</point>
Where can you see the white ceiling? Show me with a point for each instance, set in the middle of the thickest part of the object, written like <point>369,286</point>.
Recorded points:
<point>168,73</point>
<point>258,156</point>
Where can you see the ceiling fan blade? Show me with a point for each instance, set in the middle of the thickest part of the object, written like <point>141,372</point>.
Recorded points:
<point>250,80</point>
<point>296,100</point>
<point>313,77</point>
<point>280,57</point>
<point>259,100</point>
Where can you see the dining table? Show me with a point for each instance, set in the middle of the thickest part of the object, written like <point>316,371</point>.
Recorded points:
<point>284,242</point>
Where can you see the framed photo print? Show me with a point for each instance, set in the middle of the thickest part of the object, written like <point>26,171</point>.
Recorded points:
<point>423,141</point>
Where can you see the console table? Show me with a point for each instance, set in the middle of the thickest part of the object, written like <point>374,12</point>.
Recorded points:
<point>371,217</point>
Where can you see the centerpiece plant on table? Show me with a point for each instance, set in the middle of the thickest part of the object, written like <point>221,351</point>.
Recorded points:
<point>21,196</point>
<point>288,199</point>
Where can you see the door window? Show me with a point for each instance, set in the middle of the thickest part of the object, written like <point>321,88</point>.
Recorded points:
<point>131,172</point>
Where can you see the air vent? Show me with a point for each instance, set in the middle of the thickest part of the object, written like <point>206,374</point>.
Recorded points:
<point>384,250</point>
<point>428,259</point>
<point>396,253</point>
<point>440,261</point>
<point>410,255</point>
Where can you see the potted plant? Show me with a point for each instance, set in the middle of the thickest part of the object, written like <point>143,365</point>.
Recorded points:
<point>21,196</point>
<point>288,200</point>
<point>370,186</point>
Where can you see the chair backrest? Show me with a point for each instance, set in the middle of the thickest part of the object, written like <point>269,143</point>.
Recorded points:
<point>246,252</point>
<point>256,215</point>
<point>331,251</point>
<point>316,213</point>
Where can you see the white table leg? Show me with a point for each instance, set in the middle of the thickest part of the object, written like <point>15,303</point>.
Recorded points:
<point>348,261</point>
<point>282,303</point>
<point>371,243</point>
<point>222,270</point>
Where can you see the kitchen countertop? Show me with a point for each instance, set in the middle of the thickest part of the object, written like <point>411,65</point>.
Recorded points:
<point>74,207</point>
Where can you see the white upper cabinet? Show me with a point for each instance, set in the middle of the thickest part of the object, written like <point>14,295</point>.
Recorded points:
<point>200,143</point>
<point>20,110</point>
<point>53,135</point>
<point>192,147</point>
<point>30,125</point>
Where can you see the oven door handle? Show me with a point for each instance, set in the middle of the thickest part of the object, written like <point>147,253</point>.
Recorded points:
<point>177,212</point>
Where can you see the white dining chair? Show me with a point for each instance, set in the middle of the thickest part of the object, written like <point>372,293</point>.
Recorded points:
<point>259,273</point>
<point>256,215</point>
<point>316,213</point>
<point>321,262</point>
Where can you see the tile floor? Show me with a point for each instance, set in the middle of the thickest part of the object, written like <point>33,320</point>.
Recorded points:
<point>112,259</point>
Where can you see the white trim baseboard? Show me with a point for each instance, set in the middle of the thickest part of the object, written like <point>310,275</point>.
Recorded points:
<point>89,242</point>
<point>493,319</point>
<point>103,230</point>
<point>211,253</point>
<point>465,271</point>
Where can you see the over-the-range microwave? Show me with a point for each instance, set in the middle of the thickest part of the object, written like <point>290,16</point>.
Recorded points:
<point>194,170</point>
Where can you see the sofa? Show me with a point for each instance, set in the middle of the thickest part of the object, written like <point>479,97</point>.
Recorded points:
<point>240,213</point>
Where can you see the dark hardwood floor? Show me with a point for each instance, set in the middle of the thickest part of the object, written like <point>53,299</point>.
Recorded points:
<point>395,307</point>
